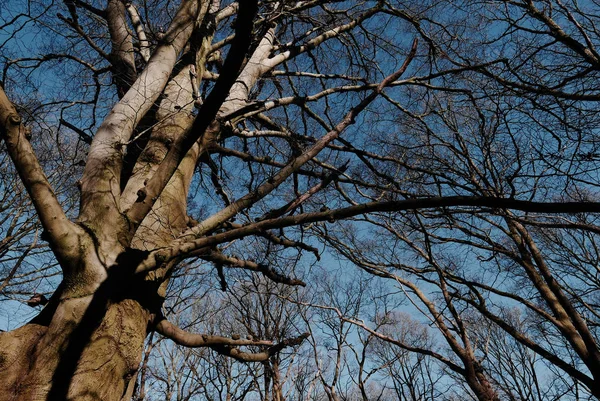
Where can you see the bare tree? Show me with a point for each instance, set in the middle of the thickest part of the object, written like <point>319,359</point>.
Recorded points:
<point>212,126</point>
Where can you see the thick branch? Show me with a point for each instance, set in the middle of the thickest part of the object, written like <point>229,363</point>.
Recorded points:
<point>53,219</point>
<point>121,55</point>
<point>223,345</point>
<point>101,178</point>
<point>195,340</point>
<point>260,356</point>
<point>206,114</point>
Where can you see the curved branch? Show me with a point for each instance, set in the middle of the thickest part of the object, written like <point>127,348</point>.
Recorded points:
<point>101,186</point>
<point>224,345</point>
<point>185,245</point>
<point>53,218</point>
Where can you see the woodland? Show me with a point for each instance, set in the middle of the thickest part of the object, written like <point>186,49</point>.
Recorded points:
<point>299,200</point>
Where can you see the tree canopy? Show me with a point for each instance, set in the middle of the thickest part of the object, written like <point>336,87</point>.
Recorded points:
<point>305,200</point>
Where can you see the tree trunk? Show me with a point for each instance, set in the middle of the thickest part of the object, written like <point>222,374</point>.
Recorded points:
<point>85,347</point>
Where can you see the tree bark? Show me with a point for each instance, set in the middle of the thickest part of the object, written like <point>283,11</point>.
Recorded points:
<point>89,350</point>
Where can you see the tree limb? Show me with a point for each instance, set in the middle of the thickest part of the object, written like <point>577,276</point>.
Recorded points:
<point>101,187</point>
<point>184,245</point>
<point>206,115</point>
<point>121,54</point>
<point>136,21</point>
<point>224,345</point>
<point>53,218</point>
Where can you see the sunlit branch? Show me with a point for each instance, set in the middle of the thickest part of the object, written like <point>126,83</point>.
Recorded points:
<point>101,177</point>
<point>206,115</point>
<point>293,51</point>
<point>136,21</point>
<point>53,218</point>
<point>224,345</point>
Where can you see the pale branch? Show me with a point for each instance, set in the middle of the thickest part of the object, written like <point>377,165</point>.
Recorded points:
<point>255,108</point>
<point>260,356</point>
<point>195,340</point>
<point>292,51</point>
<point>218,257</point>
<point>247,78</point>
<point>245,133</point>
<point>136,21</point>
<point>214,48</point>
<point>262,63</point>
<point>174,115</point>
<point>227,12</point>
<point>209,76</point>
<point>206,115</point>
<point>223,345</point>
<point>269,104</point>
<point>56,224</point>
<point>122,57</point>
<point>186,244</point>
<point>101,187</point>
<point>273,182</point>
<point>284,73</point>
